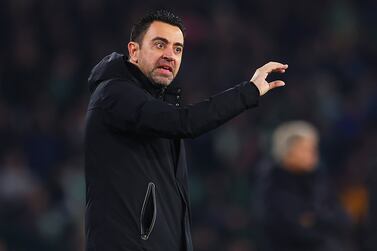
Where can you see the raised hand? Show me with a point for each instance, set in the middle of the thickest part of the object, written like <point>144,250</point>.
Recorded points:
<point>260,75</point>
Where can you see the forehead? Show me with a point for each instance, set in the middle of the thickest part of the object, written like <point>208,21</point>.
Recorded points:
<point>163,30</point>
<point>306,140</point>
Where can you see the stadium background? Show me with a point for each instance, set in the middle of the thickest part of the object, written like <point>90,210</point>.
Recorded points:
<point>47,49</point>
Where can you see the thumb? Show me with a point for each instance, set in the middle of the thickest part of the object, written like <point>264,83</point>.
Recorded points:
<point>277,83</point>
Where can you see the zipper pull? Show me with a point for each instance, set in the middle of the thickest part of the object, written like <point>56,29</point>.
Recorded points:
<point>162,92</point>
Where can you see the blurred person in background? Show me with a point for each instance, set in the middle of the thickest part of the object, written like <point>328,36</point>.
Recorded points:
<point>136,174</point>
<point>300,210</point>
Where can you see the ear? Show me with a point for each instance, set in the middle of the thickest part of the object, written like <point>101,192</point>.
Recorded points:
<point>133,51</point>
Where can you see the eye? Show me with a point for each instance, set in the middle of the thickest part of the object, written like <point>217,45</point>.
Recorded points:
<point>160,45</point>
<point>178,50</point>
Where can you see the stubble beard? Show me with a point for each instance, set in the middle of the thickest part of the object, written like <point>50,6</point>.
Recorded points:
<point>159,80</point>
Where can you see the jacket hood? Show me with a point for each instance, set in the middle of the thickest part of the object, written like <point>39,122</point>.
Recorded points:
<point>111,66</point>
<point>116,66</point>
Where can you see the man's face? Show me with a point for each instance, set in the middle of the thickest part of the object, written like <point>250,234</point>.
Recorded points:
<point>303,155</point>
<point>160,53</point>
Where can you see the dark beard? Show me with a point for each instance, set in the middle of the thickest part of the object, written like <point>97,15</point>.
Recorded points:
<point>160,85</point>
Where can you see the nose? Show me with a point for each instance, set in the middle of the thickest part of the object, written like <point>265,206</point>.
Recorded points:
<point>168,54</point>
<point>167,58</point>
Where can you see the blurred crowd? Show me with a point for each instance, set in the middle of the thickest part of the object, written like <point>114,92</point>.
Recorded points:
<point>47,49</point>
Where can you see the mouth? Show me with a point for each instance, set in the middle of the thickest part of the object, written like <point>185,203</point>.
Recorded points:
<point>165,68</point>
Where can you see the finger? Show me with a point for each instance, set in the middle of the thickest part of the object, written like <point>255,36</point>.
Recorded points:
<point>277,83</point>
<point>273,66</point>
<point>279,70</point>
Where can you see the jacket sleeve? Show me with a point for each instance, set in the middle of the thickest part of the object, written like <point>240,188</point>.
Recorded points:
<point>127,107</point>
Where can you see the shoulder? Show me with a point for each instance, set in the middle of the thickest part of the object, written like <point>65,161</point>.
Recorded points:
<point>117,90</point>
<point>119,86</point>
<point>125,89</point>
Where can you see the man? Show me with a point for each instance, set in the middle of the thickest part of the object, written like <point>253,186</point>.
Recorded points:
<point>136,175</point>
<point>300,210</point>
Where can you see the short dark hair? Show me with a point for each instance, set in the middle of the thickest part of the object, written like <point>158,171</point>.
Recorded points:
<point>140,28</point>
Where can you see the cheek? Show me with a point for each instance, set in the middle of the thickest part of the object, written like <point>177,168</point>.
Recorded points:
<point>146,61</point>
<point>310,158</point>
<point>178,65</point>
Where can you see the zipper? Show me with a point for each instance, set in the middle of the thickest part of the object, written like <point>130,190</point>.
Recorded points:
<point>162,92</point>
<point>147,227</point>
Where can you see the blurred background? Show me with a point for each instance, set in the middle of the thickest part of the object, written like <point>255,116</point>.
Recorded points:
<point>47,49</point>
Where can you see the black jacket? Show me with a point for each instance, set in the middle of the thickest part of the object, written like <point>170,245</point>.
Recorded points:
<point>136,174</point>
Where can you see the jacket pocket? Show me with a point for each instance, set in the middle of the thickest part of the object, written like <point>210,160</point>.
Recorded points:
<point>148,212</point>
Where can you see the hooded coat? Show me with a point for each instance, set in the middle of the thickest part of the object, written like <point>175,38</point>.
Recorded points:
<point>135,164</point>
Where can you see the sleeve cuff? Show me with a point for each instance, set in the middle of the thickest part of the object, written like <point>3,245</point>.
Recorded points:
<point>250,94</point>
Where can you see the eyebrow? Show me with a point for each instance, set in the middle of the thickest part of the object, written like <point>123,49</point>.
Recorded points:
<point>166,41</point>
